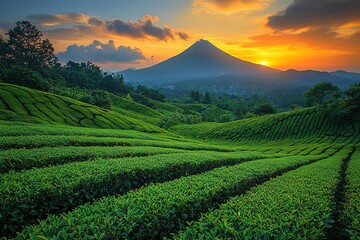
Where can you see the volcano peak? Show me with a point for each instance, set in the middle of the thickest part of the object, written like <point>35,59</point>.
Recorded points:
<point>201,59</point>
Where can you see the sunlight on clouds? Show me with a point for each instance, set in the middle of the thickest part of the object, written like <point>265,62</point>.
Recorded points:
<point>228,7</point>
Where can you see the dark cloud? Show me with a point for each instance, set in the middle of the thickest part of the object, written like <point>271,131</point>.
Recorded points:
<point>94,21</point>
<point>183,35</point>
<point>65,26</point>
<point>144,28</point>
<point>56,19</point>
<point>100,53</point>
<point>315,14</point>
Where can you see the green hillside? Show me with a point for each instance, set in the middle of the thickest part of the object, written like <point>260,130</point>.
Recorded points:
<point>27,105</point>
<point>70,170</point>
<point>128,107</point>
<point>298,124</point>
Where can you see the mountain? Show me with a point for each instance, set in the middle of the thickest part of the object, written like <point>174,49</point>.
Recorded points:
<point>200,60</point>
<point>283,88</point>
<point>204,67</point>
<point>348,75</point>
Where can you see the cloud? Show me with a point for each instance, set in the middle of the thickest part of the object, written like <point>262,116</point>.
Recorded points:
<point>144,28</point>
<point>229,6</point>
<point>101,53</point>
<point>315,14</point>
<point>322,38</point>
<point>80,25</point>
<point>56,19</point>
<point>183,35</point>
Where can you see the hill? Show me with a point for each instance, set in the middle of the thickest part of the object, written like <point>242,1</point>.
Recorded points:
<point>27,105</point>
<point>296,124</point>
<point>70,170</point>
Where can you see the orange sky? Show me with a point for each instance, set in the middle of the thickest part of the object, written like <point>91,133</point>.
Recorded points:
<point>302,34</point>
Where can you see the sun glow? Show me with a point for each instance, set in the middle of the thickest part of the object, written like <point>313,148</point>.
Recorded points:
<point>264,63</point>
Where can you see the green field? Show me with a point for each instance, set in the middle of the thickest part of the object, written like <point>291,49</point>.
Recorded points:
<point>71,170</point>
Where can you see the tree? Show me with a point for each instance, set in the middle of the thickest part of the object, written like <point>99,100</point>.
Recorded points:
<point>197,96</point>
<point>353,96</point>
<point>99,98</point>
<point>150,93</point>
<point>207,99</point>
<point>21,75</point>
<point>25,46</point>
<point>320,92</point>
<point>264,109</point>
<point>3,49</point>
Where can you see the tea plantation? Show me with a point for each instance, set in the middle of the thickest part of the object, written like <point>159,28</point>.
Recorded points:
<point>71,170</point>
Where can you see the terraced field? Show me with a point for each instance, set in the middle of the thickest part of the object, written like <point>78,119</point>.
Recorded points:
<point>28,105</point>
<point>293,175</point>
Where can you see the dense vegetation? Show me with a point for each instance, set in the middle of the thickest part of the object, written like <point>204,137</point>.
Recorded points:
<point>90,172</point>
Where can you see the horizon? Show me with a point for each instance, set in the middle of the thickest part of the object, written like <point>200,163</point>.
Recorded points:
<point>281,34</point>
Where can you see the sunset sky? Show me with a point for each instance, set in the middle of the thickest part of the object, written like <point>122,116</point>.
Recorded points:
<point>117,34</point>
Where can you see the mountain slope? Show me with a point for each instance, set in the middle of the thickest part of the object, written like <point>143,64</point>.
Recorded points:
<point>27,105</point>
<point>202,59</point>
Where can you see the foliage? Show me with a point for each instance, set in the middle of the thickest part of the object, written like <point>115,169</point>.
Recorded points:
<point>21,75</point>
<point>308,204</point>
<point>353,96</point>
<point>24,104</point>
<point>195,96</point>
<point>95,179</point>
<point>172,203</point>
<point>77,166</point>
<point>26,47</point>
<point>350,217</point>
<point>98,98</point>
<point>150,93</point>
<point>264,109</point>
<point>250,115</point>
<point>30,158</point>
<point>26,59</point>
<point>207,98</point>
<point>90,76</point>
<point>226,117</point>
<point>142,100</point>
<point>293,124</point>
<point>239,108</point>
<point>179,118</point>
<point>320,92</point>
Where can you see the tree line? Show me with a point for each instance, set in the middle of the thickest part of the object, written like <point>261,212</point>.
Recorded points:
<point>27,59</point>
